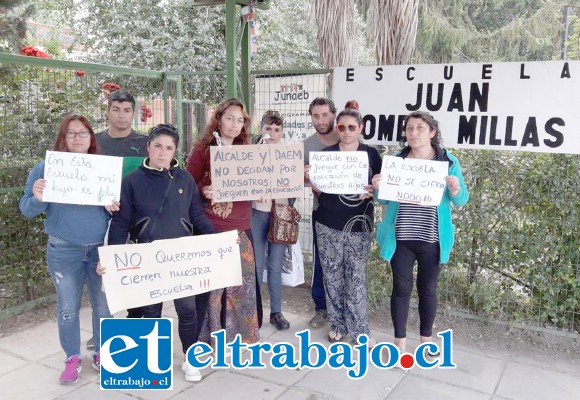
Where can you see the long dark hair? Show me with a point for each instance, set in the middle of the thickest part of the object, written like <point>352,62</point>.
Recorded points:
<point>60,143</point>
<point>207,139</point>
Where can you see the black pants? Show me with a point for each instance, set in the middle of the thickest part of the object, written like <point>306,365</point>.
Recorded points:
<point>190,311</point>
<point>136,312</point>
<point>403,261</point>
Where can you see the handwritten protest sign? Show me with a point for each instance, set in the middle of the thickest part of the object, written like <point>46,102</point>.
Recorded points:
<point>149,273</point>
<point>88,179</point>
<point>339,172</point>
<point>408,180</point>
<point>250,172</point>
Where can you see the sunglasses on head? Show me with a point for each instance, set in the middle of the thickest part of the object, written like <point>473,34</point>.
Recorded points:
<point>343,128</point>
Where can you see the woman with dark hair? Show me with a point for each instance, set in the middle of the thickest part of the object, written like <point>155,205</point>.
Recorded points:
<point>411,232</point>
<point>74,234</point>
<point>234,308</point>
<point>269,256</point>
<point>159,200</point>
<point>344,227</point>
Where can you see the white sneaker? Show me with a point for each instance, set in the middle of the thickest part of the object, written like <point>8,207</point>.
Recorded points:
<point>192,374</point>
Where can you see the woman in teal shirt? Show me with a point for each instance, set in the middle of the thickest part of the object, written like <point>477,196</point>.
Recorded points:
<point>411,232</point>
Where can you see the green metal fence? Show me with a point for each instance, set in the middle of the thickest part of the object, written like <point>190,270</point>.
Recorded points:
<point>517,252</point>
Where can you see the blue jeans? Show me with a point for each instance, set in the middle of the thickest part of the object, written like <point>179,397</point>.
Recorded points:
<point>70,266</point>
<point>318,293</point>
<point>270,258</point>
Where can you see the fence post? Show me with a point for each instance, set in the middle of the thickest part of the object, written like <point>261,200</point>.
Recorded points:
<point>246,62</point>
<point>166,104</point>
<point>179,110</point>
<point>231,48</point>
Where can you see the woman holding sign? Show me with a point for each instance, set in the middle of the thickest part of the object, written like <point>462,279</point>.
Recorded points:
<point>74,234</point>
<point>234,308</point>
<point>344,229</point>
<point>411,232</point>
<point>159,200</point>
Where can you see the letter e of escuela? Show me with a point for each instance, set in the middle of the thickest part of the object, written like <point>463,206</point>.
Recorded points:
<point>350,74</point>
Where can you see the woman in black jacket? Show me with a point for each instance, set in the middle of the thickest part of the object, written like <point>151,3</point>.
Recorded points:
<point>159,200</point>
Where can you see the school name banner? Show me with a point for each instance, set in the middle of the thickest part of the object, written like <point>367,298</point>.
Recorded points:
<point>149,273</point>
<point>414,181</point>
<point>529,106</point>
<point>253,172</point>
<point>87,179</point>
<point>339,172</point>
<point>290,96</point>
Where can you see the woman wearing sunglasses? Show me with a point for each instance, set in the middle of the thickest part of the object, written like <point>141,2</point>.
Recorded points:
<point>344,230</point>
<point>74,234</point>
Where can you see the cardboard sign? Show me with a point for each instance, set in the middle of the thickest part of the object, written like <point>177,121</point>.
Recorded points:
<point>339,172</point>
<point>149,273</point>
<point>521,106</point>
<point>408,180</point>
<point>252,172</point>
<point>88,179</point>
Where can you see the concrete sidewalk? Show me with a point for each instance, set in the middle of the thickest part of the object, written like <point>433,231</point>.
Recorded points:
<point>31,361</point>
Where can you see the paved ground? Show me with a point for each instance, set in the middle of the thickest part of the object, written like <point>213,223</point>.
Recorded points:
<point>31,361</point>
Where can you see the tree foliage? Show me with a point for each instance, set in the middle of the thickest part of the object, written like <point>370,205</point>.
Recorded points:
<point>494,30</point>
<point>13,15</point>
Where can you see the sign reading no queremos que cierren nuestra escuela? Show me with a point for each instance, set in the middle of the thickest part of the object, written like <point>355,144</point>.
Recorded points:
<point>529,106</point>
<point>149,273</point>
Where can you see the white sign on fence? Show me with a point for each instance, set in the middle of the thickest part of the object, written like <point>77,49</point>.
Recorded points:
<point>408,180</point>
<point>87,179</point>
<point>291,96</point>
<point>339,172</point>
<point>149,273</point>
<point>529,106</point>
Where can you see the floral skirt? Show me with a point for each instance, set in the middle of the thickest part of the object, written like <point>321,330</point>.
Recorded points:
<point>234,308</point>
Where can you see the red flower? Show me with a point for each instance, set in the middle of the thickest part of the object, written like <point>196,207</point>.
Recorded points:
<point>145,112</point>
<point>111,87</point>
<point>80,73</point>
<point>34,52</point>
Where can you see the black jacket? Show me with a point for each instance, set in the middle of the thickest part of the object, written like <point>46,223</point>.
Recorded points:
<point>158,204</point>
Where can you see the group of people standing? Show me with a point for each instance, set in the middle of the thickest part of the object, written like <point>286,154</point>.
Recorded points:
<point>408,233</point>
<point>160,200</point>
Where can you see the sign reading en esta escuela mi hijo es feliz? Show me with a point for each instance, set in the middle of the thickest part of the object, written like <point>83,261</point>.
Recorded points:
<point>339,172</point>
<point>529,106</point>
<point>86,179</point>
<point>149,273</point>
<point>408,180</point>
<point>253,172</point>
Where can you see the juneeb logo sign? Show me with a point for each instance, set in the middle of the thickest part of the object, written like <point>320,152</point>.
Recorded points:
<point>137,353</point>
<point>354,359</point>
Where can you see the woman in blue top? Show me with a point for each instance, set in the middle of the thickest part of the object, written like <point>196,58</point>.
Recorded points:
<point>425,234</point>
<point>74,234</point>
